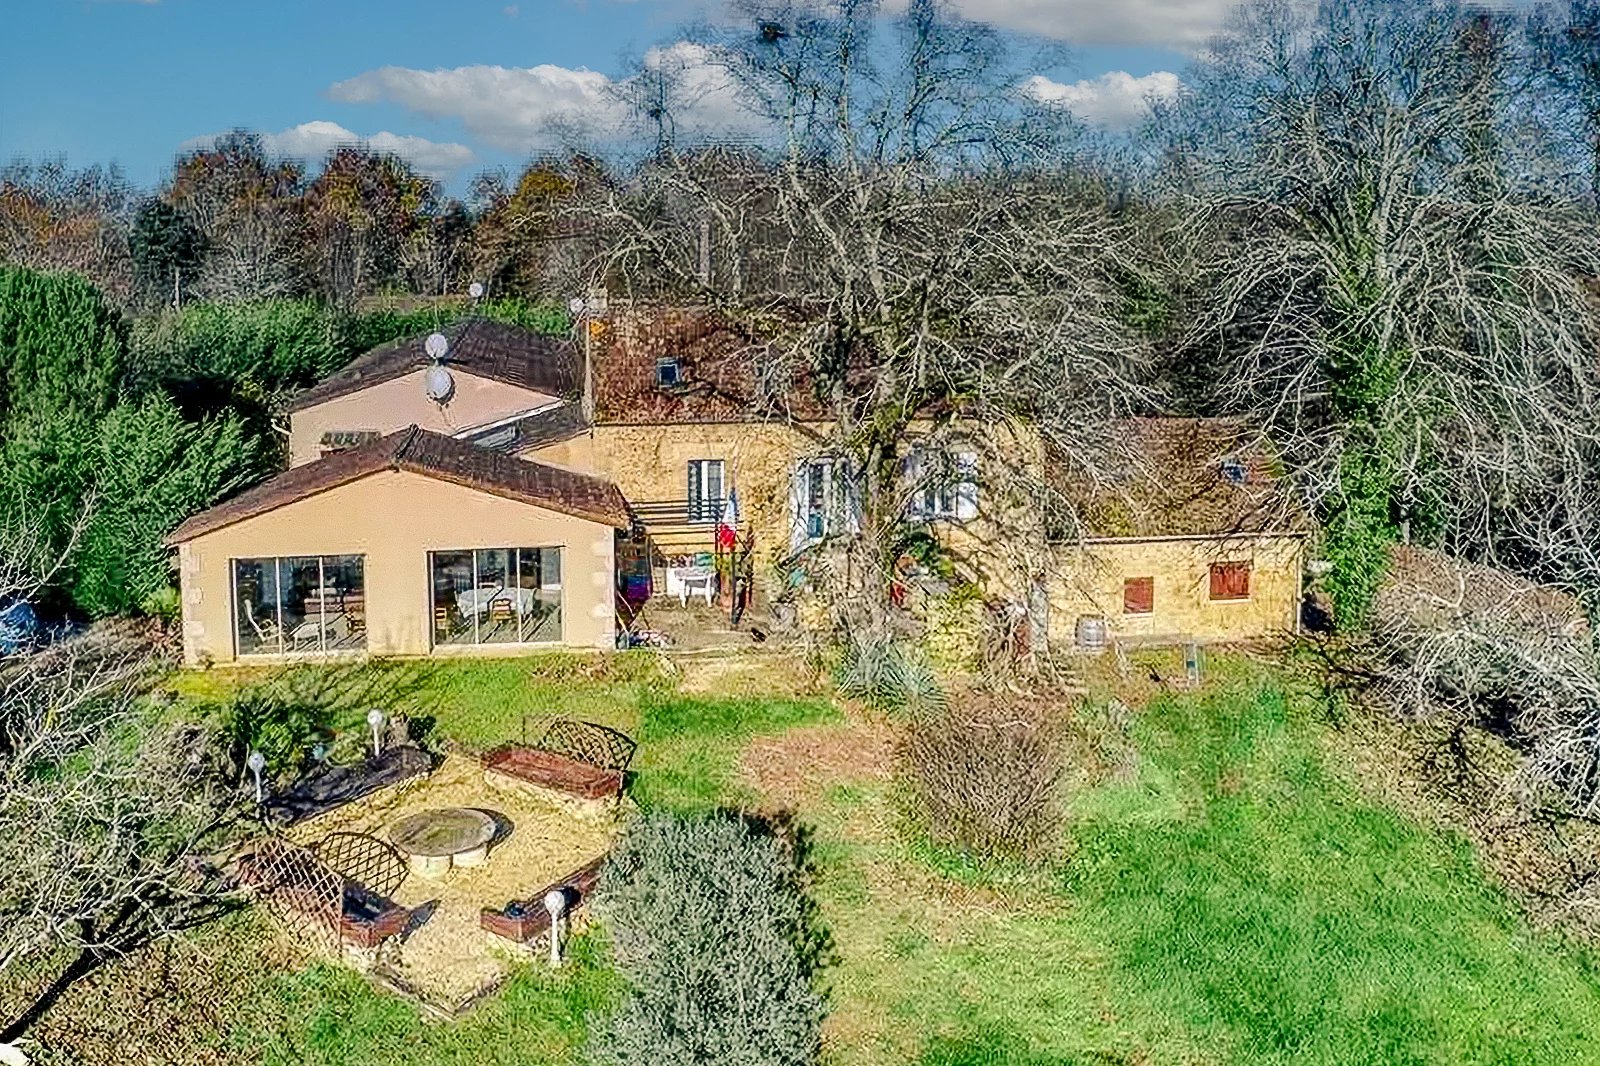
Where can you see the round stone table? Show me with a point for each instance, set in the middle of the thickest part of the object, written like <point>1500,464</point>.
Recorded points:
<point>435,840</point>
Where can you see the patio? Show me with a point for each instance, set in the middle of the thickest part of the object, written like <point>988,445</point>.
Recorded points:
<point>444,958</point>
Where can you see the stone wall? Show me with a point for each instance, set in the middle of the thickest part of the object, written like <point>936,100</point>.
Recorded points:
<point>1088,580</point>
<point>650,465</point>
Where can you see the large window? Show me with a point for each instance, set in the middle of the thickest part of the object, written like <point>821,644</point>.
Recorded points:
<point>705,490</point>
<point>496,596</point>
<point>944,485</point>
<point>309,603</point>
<point>820,502</point>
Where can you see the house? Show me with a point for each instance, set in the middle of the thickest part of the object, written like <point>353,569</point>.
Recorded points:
<point>498,377</point>
<point>1190,533</point>
<point>685,410</point>
<point>493,489</point>
<point>410,543</point>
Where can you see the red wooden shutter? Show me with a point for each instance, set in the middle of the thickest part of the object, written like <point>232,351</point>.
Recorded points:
<point>1230,581</point>
<point>1138,595</point>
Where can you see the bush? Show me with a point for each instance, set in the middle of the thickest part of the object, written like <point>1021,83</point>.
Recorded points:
<point>152,469</point>
<point>718,941</point>
<point>983,776</point>
<point>955,630</point>
<point>280,727</point>
<point>888,676</point>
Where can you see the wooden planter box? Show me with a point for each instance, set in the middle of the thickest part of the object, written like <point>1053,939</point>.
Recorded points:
<point>549,770</point>
<point>524,919</point>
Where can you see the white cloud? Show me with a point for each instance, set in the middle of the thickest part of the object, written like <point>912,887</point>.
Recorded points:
<point>516,108</point>
<point>314,140</point>
<point>1183,24</point>
<point>1114,99</point>
<point>508,107</point>
<point>511,11</point>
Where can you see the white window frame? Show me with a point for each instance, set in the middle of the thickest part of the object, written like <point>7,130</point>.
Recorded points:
<point>702,506</point>
<point>940,498</point>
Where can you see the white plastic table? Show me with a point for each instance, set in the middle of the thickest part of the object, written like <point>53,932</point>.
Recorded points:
<point>477,601</point>
<point>683,580</point>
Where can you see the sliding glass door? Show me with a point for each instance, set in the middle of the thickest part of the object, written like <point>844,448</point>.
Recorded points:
<point>496,596</point>
<point>300,604</point>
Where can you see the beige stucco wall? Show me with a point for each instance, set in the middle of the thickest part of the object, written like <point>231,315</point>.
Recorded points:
<point>395,518</point>
<point>392,405</point>
<point>1088,581</point>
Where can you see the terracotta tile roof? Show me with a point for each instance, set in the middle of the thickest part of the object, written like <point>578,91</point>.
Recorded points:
<point>727,374</point>
<point>478,346</point>
<point>433,455</point>
<point>1185,477</point>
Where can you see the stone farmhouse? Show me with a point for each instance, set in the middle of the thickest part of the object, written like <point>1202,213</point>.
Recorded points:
<point>502,490</point>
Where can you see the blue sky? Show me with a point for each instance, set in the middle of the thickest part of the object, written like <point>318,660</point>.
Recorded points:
<point>454,86</point>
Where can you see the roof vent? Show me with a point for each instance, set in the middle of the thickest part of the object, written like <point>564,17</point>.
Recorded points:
<point>1233,471</point>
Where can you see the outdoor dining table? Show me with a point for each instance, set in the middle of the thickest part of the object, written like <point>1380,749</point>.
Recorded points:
<point>477,601</point>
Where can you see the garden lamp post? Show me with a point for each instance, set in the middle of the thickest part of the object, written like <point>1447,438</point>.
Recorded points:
<point>257,762</point>
<point>555,901</point>
<point>375,719</point>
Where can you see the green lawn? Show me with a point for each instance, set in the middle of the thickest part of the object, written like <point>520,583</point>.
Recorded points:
<point>1231,900</point>
<point>1224,896</point>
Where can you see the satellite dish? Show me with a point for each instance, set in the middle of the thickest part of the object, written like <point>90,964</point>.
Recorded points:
<point>575,305</point>
<point>475,290</point>
<point>438,384</point>
<point>436,345</point>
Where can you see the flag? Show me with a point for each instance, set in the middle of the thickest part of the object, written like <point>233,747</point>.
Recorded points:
<point>729,521</point>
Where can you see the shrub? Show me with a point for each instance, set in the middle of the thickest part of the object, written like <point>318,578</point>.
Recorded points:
<point>983,776</point>
<point>151,470</point>
<point>280,727</point>
<point>888,676</point>
<point>718,941</point>
<point>955,630</point>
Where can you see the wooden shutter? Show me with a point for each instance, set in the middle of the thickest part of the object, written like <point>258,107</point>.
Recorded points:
<point>1230,581</point>
<point>1138,595</point>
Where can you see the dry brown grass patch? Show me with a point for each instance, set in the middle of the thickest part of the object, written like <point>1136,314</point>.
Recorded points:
<point>799,767</point>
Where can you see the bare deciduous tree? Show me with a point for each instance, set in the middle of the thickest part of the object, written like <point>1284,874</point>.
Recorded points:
<point>107,813</point>
<point>1392,275</point>
<point>898,229</point>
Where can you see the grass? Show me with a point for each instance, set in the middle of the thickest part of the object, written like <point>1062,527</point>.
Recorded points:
<point>1225,895</point>
<point>328,1015</point>
<point>1231,900</point>
<point>1285,919</point>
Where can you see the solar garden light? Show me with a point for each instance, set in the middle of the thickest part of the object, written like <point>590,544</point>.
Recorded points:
<point>375,719</point>
<point>555,901</point>
<point>257,762</point>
